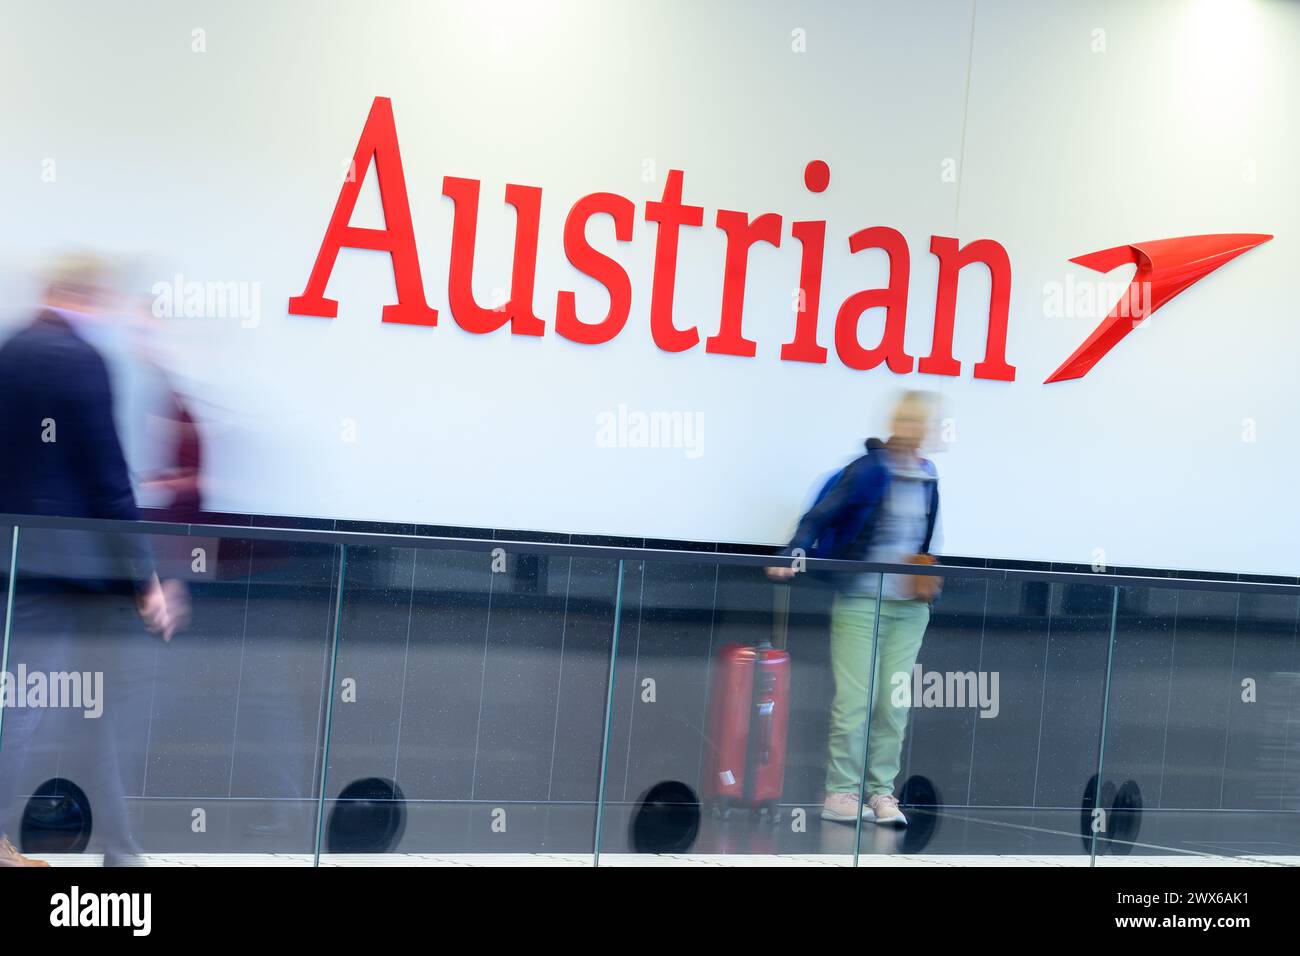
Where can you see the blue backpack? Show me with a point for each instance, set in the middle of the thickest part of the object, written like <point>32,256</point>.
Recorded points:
<point>836,540</point>
<point>829,544</point>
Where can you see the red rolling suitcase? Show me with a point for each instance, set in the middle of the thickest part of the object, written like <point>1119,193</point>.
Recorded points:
<point>749,715</point>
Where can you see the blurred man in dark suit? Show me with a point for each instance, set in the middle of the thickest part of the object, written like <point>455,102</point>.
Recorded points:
<point>80,596</point>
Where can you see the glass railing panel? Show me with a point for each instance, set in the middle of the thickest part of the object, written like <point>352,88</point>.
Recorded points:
<point>1065,721</point>
<point>1202,761</point>
<point>187,735</point>
<point>721,710</point>
<point>989,730</point>
<point>8,555</point>
<point>469,700</point>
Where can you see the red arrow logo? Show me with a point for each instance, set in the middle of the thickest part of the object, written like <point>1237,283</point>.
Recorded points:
<point>1165,267</point>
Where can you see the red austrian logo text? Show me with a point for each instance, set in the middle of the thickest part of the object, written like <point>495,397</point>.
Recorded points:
<point>1165,267</point>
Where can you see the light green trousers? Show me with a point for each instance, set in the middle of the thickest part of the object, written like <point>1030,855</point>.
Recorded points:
<point>902,625</point>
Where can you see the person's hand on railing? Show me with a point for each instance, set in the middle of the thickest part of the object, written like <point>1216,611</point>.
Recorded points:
<point>177,595</point>
<point>925,587</point>
<point>151,603</point>
<point>781,574</point>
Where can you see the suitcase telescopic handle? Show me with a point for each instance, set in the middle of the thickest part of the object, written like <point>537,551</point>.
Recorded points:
<point>766,708</point>
<point>780,616</point>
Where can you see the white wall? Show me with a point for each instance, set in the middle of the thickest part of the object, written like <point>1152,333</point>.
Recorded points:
<point>225,166</point>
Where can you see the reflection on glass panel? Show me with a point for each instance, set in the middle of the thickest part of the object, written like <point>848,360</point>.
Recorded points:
<point>168,696</point>
<point>8,546</point>
<point>470,693</point>
<point>721,717</point>
<point>987,719</point>
<point>189,699</point>
<point>1202,742</point>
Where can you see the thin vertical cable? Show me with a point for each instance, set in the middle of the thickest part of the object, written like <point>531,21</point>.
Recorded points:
<point>1105,710</point>
<point>609,718</point>
<point>329,702</point>
<point>9,623</point>
<point>866,736</point>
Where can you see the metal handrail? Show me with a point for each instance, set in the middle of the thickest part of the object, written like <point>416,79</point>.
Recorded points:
<point>373,539</point>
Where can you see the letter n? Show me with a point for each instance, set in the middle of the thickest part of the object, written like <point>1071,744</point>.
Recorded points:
<point>951,261</point>
<point>397,238</point>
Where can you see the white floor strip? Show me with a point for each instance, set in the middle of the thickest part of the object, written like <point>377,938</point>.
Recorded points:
<point>668,859</point>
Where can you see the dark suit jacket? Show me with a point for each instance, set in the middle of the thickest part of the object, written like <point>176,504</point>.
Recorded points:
<point>60,455</point>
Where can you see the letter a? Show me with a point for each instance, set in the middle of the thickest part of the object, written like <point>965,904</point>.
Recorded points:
<point>397,238</point>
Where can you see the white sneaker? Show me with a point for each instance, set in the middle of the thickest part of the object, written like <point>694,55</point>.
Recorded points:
<point>883,808</point>
<point>844,808</point>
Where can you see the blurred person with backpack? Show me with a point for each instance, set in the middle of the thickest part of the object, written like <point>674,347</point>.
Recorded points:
<point>882,507</point>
